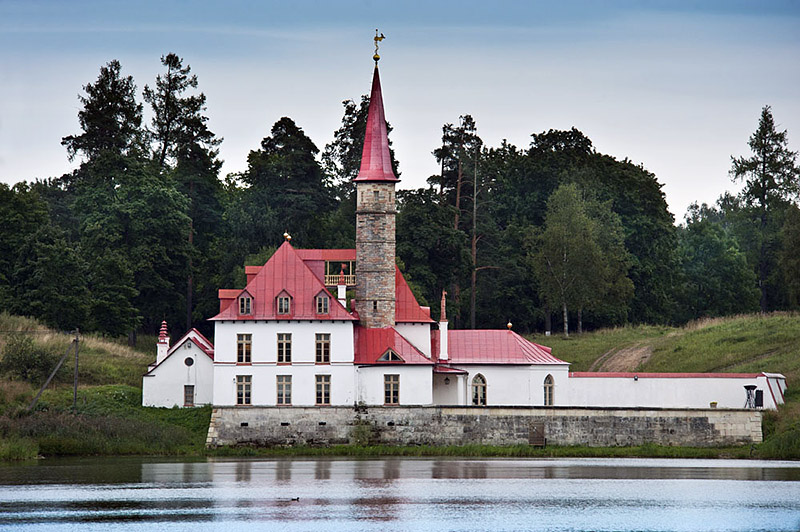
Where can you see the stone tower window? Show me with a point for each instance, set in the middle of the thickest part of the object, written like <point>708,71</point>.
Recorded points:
<point>377,195</point>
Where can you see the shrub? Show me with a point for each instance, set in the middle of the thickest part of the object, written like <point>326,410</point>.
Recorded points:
<point>24,359</point>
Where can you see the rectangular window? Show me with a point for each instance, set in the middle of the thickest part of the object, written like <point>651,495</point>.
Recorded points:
<point>284,389</point>
<point>284,348</point>
<point>244,345</point>
<point>323,348</point>
<point>188,395</point>
<point>323,389</point>
<point>243,386</point>
<point>391,389</point>
<point>245,305</point>
<point>284,305</point>
<point>322,305</point>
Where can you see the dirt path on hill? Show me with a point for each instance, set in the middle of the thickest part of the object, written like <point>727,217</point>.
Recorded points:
<point>625,359</point>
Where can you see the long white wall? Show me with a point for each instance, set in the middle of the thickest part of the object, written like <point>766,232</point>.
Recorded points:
<point>164,385</point>
<point>505,385</point>
<point>667,392</point>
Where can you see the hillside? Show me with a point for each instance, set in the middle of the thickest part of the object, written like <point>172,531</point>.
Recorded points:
<point>747,343</point>
<point>110,420</point>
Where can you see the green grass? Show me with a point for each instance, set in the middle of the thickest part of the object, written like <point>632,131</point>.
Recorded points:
<point>582,350</point>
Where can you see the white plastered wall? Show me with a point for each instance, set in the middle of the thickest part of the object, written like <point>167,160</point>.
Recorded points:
<point>666,392</point>
<point>163,386</point>
<point>264,368</point>
<point>419,334</point>
<point>506,385</point>
<point>416,383</point>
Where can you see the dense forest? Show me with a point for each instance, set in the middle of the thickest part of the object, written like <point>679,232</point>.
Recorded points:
<point>550,235</point>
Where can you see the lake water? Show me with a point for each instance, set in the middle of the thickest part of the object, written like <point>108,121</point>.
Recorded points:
<point>400,494</point>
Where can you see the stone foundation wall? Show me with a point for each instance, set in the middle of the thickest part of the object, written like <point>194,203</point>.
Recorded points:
<point>267,426</point>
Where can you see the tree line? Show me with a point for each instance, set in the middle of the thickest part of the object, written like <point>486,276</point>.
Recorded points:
<point>551,235</point>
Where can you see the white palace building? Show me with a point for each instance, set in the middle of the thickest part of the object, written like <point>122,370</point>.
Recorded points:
<point>289,338</point>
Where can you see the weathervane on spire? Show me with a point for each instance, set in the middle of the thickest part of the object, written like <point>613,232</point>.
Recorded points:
<point>377,39</point>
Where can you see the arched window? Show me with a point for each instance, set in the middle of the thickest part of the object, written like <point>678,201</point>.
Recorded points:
<point>548,390</point>
<point>479,390</point>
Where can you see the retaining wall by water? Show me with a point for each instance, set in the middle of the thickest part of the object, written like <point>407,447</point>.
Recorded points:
<point>435,425</point>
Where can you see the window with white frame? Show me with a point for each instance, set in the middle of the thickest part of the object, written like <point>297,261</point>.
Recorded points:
<point>245,305</point>
<point>284,305</point>
<point>479,390</point>
<point>284,385</point>
<point>323,304</point>
<point>244,348</point>
<point>548,390</point>
<point>284,348</point>
<point>323,348</point>
<point>243,388</point>
<point>391,389</point>
<point>323,389</point>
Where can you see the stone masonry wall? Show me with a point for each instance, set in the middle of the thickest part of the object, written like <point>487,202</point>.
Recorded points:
<point>267,426</point>
<point>375,252</point>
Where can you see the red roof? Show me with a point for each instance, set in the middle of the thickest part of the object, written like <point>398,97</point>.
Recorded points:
<point>629,375</point>
<point>285,272</point>
<point>406,307</point>
<point>376,161</point>
<point>495,347</point>
<point>371,344</point>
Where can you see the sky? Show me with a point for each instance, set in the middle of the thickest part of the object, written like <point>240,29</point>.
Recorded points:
<point>676,86</point>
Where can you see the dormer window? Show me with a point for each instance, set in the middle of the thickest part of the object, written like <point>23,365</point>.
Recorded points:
<point>390,356</point>
<point>245,305</point>
<point>323,304</point>
<point>284,305</point>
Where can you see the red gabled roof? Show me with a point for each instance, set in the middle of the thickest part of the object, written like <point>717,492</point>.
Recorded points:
<point>286,272</point>
<point>376,160</point>
<point>406,307</point>
<point>371,344</point>
<point>495,347</point>
<point>194,336</point>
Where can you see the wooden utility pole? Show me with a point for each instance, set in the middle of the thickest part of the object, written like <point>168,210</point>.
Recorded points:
<point>76,341</point>
<point>55,370</point>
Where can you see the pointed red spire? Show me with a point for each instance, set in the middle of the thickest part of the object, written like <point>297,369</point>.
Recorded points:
<point>376,162</point>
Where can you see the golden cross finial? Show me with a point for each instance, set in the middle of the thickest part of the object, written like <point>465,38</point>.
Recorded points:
<point>377,39</point>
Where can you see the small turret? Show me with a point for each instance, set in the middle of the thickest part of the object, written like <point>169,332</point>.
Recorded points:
<point>162,346</point>
<point>443,329</point>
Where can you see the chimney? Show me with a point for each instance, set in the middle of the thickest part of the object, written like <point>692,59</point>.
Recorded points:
<point>443,330</point>
<point>341,289</point>
<point>162,346</point>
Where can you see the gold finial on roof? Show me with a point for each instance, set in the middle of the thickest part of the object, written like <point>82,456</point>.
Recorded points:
<point>287,236</point>
<point>377,39</point>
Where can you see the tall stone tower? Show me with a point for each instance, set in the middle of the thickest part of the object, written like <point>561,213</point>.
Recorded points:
<point>375,219</point>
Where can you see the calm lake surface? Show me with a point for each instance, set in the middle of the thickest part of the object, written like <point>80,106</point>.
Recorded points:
<point>400,494</point>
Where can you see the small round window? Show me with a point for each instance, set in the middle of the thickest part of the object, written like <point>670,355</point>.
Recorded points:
<point>188,361</point>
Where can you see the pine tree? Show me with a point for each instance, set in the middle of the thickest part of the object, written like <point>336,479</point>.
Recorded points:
<point>770,178</point>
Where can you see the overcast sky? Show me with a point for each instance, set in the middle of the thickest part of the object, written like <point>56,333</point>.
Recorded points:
<point>675,86</point>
